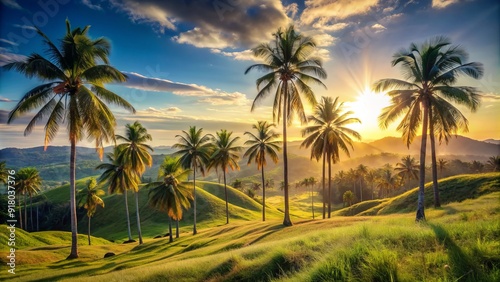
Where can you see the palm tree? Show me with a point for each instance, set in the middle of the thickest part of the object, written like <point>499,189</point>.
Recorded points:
<point>328,136</point>
<point>442,164</point>
<point>28,182</point>
<point>311,181</point>
<point>261,144</point>
<point>66,98</point>
<point>423,99</point>
<point>195,150</point>
<point>90,198</point>
<point>387,182</point>
<point>135,156</point>
<point>171,193</point>
<point>119,179</point>
<point>225,156</point>
<point>290,68</point>
<point>361,172</point>
<point>3,173</point>
<point>370,177</point>
<point>494,163</point>
<point>407,169</point>
<point>348,197</point>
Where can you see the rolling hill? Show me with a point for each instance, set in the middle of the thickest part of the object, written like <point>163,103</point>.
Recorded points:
<point>459,242</point>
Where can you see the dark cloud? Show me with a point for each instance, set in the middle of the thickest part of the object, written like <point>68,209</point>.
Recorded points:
<point>216,23</point>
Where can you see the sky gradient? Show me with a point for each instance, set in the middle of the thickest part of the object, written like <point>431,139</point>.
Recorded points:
<point>186,59</point>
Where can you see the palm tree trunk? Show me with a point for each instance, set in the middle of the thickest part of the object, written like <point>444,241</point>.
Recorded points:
<point>225,194</point>
<point>170,236</point>
<point>88,229</point>
<point>324,176</point>
<point>312,199</point>
<point>138,216</point>
<point>37,227</point>
<point>177,229</point>
<point>194,197</point>
<point>25,213</point>
<point>128,215</point>
<point>329,184</point>
<point>72,200</point>
<point>286,220</point>
<point>263,196</point>
<point>437,202</point>
<point>361,189</point>
<point>421,189</point>
<point>20,214</point>
<point>31,214</point>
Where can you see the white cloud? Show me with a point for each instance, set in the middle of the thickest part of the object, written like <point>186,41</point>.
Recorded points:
<point>11,4</point>
<point>324,39</point>
<point>246,55</point>
<point>490,97</point>
<point>338,10</point>
<point>323,24</point>
<point>6,58</point>
<point>89,4</point>
<point>8,42</point>
<point>378,27</point>
<point>205,94</point>
<point>292,10</point>
<point>439,4</point>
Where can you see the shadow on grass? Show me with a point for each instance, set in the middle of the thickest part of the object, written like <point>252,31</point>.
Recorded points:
<point>462,265</point>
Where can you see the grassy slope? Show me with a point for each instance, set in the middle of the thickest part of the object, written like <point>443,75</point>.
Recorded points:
<point>461,241</point>
<point>110,222</point>
<point>451,189</point>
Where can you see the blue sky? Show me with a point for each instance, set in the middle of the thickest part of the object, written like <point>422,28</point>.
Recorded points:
<point>186,59</point>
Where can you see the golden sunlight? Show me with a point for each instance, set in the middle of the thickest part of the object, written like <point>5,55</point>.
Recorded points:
<point>367,108</point>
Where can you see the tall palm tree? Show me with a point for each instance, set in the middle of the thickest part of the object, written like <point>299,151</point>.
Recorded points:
<point>407,169</point>
<point>28,182</point>
<point>329,135</point>
<point>424,98</point>
<point>119,179</point>
<point>171,193</point>
<point>312,181</point>
<point>73,93</point>
<point>225,156</point>
<point>348,197</point>
<point>261,144</point>
<point>90,198</point>
<point>136,157</point>
<point>290,69</point>
<point>370,177</point>
<point>194,150</point>
<point>494,163</point>
<point>361,171</point>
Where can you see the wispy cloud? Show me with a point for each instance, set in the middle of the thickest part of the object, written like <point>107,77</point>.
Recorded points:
<point>11,4</point>
<point>338,10</point>
<point>6,58</point>
<point>439,4</point>
<point>205,94</point>
<point>8,42</point>
<point>6,100</point>
<point>246,55</point>
<point>490,97</point>
<point>89,4</point>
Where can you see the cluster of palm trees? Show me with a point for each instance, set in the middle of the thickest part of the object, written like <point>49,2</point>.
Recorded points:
<point>27,183</point>
<point>73,94</point>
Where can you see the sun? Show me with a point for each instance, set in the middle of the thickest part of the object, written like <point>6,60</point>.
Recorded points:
<point>367,108</point>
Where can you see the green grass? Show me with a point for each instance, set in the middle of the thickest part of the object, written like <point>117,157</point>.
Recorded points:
<point>459,242</point>
<point>451,189</point>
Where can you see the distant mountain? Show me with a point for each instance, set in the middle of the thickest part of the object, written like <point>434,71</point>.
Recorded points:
<point>458,145</point>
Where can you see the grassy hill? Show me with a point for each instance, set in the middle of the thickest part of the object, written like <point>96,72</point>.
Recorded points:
<point>462,244</point>
<point>451,189</point>
<point>110,222</point>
